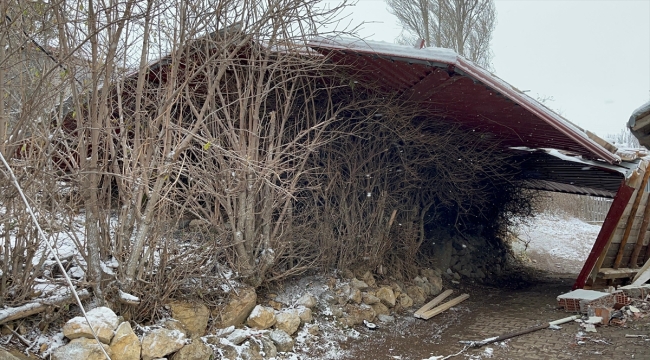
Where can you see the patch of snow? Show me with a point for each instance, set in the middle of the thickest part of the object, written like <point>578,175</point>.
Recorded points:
<point>563,237</point>
<point>128,297</point>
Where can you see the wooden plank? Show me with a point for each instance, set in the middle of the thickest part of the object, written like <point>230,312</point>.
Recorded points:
<point>444,307</point>
<point>643,275</point>
<point>437,300</point>
<point>630,220</point>
<point>640,237</point>
<point>602,142</point>
<point>620,273</point>
<point>604,236</point>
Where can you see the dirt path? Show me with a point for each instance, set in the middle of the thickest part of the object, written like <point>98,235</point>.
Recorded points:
<point>491,312</point>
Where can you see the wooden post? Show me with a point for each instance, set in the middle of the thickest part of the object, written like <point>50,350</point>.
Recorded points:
<point>631,218</point>
<point>614,214</point>
<point>639,240</point>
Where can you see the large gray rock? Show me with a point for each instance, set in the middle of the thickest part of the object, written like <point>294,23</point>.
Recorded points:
<point>161,342</point>
<point>283,342</point>
<point>288,321</point>
<point>261,318</point>
<point>103,320</point>
<point>81,349</point>
<point>237,309</point>
<point>125,345</point>
<point>197,350</point>
<point>194,316</point>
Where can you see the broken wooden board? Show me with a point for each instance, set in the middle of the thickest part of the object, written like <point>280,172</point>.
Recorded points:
<point>643,275</point>
<point>437,300</point>
<point>444,307</point>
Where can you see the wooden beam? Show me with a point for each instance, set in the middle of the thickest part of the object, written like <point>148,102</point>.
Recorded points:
<point>444,307</point>
<point>642,232</point>
<point>614,214</point>
<point>433,303</point>
<point>631,218</point>
<point>621,273</point>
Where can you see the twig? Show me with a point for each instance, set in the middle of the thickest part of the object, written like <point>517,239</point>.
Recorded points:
<point>50,248</point>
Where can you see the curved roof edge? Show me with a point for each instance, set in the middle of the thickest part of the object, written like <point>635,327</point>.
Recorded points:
<point>448,57</point>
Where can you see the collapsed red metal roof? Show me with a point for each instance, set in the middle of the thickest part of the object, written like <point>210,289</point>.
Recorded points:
<point>456,90</point>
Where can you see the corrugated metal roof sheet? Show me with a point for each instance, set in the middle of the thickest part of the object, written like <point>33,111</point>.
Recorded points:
<point>456,90</point>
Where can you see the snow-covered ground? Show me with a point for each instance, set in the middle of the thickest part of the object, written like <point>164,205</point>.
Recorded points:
<point>556,242</point>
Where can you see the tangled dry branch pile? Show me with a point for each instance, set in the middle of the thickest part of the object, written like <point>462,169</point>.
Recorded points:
<point>287,164</point>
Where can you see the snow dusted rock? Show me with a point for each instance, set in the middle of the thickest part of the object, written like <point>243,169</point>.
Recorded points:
<point>283,342</point>
<point>307,300</point>
<point>238,336</point>
<point>225,332</point>
<point>386,296</point>
<point>359,284</point>
<point>238,309</point>
<point>81,349</point>
<point>370,299</point>
<point>304,314</point>
<point>197,350</point>
<point>417,294</point>
<point>194,316</point>
<point>380,309</point>
<point>287,321</point>
<point>173,324</point>
<point>125,344</point>
<point>313,329</point>
<point>355,296</point>
<point>261,318</point>
<point>404,301</point>
<point>103,320</point>
<point>268,348</point>
<point>161,342</point>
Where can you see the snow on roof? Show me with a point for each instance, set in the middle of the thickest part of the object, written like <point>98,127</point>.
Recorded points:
<point>641,112</point>
<point>434,54</point>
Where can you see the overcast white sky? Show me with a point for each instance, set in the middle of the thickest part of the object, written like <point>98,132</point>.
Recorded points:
<point>592,57</point>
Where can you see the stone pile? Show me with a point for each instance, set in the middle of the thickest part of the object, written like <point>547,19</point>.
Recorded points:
<point>247,328</point>
<point>363,299</point>
<point>178,337</point>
